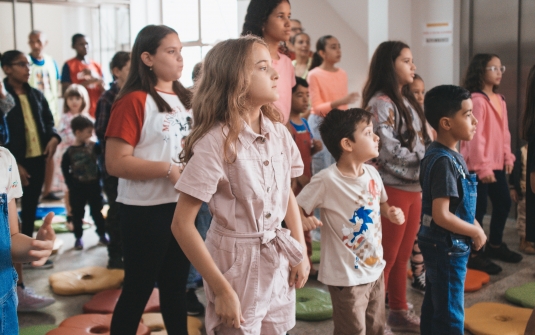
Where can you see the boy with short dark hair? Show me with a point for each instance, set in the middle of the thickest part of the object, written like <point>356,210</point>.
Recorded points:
<point>448,227</point>
<point>82,176</point>
<point>84,71</point>
<point>307,146</point>
<point>352,199</point>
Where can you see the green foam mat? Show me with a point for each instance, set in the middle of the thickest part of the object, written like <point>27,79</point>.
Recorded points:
<point>37,330</point>
<point>313,304</point>
<point>522,295</point>
<point>58,224</point>
<point>315,258</point>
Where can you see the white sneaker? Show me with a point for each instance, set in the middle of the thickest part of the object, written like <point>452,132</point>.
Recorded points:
<point>30,301</point>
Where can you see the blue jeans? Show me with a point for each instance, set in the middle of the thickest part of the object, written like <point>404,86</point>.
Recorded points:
<point>445,258</point>
<point>202,223</point>
<point>323,158</point>
<point>9,324</point>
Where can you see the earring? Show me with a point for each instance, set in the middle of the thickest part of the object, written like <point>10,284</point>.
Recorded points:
<point>150,68</point>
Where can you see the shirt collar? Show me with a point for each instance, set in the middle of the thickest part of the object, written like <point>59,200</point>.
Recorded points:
<point>247,136</point>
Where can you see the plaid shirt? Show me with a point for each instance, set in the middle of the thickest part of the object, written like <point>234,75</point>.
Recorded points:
<point>102,117</point>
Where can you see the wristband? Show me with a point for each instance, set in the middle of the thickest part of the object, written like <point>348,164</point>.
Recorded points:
<point>169,171</point>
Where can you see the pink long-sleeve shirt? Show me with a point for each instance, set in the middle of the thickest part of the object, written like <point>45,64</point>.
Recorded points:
<point>490,149</point>
<point>324,88</point>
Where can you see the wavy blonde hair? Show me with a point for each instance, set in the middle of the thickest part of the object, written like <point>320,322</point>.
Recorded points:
<point>220,95</point>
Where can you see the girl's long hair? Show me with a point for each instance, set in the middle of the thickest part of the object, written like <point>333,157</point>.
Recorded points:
<point>317,60</point>
<point>382,78</point>
<point>258,12</point>
<point>528,120</point>
<point>75,90</point>
<point>220,95</point>
<point>141,78</point>
<point>474,79</point>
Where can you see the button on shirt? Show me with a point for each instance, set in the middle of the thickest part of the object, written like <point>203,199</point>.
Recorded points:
<point>251,193</point>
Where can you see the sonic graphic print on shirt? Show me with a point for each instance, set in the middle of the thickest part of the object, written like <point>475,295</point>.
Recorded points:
<point>362,234</point>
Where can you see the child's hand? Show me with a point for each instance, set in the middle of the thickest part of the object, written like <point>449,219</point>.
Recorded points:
<point>488,179</point>
<point>50,148</point>
<point>42,246</point>
<point>299,274</point>
<point>352,97</point>
<point>317,145</point>
<point>508,169</point>
<point>228,308</point>
<point>514,195</point>
<point>24,175</point>
<point>395,215</point>
<point>311,223</point>
<point>175,173</point>
<point>479,238</point>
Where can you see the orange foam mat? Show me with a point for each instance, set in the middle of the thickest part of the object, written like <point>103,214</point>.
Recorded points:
<point>155,322</point>
<point>91,279</point>
<point>490,318</point>
<point>105,301</point>
<point>90,324</point>
<point>475,280</point>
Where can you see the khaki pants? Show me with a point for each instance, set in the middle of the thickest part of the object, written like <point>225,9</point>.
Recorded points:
<point>359,310</point>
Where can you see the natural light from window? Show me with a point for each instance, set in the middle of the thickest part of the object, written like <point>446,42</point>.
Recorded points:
<point>218,22</point>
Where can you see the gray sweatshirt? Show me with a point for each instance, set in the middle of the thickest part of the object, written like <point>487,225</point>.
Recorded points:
<point>398,166</point>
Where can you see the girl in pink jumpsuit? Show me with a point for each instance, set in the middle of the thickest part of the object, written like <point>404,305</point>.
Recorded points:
<point>240,159</point>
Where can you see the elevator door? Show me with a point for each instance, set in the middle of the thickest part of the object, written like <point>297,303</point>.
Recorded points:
<point>505,28</point>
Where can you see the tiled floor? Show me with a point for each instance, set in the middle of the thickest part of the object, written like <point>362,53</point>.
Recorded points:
<point>68,258</point>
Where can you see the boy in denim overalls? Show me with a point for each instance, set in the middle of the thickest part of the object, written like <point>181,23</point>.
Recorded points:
<point>448,227</point>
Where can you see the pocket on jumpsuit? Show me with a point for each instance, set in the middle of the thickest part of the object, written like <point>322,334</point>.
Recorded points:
<point>227,262</point>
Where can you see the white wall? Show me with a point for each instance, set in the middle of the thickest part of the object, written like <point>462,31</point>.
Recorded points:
<point>319,18</point>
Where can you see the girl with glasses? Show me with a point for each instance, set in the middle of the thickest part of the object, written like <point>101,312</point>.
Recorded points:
<point>489,156</point>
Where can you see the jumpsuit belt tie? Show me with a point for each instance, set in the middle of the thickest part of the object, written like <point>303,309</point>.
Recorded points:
<point>280,236</point>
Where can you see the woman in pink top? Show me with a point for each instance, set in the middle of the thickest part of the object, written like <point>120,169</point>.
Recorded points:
<point>328,90</point>
<point>270,20</point>
<point>489,156</point>
<point>239,158</point>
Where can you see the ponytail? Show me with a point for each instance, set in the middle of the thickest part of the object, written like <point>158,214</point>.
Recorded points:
<point>317,60</point>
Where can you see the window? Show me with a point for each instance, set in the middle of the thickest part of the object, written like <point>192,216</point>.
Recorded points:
<point>200,25</point>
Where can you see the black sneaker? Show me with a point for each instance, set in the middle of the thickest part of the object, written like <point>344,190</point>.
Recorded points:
<point>482,263</point>
<point>418,283</point>
<point>502,253</point>
<point>195,308</point>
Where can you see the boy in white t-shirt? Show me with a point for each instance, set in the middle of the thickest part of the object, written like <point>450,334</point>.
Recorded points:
<point>352,199</point>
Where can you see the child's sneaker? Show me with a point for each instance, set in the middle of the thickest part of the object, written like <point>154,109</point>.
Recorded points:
<point>404,321</point>
<point>418,283</point>
<point>502,253</point>
<point>78,245</point>
<point>103,240</point>
<point>29,301</point>
<point>526,247</point>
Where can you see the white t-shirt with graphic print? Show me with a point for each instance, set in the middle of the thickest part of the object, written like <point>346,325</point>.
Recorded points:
<point>351,246</point>
<point>10,178</point>
<point>155,136</point>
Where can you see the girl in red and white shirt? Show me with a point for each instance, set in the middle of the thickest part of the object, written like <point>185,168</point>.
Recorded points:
<point>143,141</point>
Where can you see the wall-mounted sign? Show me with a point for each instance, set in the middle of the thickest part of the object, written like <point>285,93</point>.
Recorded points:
<point>438,33</point>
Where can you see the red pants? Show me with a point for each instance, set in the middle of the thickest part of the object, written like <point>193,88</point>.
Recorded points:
<point>397,244</point>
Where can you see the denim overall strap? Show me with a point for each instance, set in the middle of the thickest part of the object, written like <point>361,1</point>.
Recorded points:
<point>466,209</point>
<point>8,276</point>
